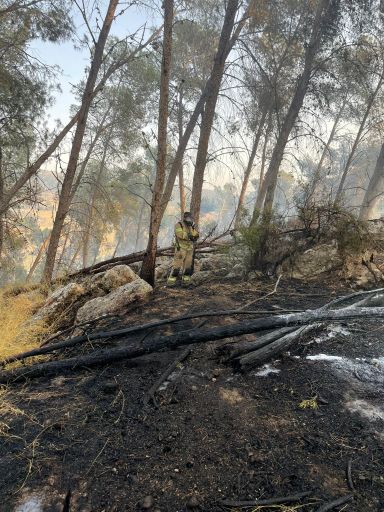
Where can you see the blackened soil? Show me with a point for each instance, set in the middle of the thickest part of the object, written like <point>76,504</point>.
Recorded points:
<point>214,434</point>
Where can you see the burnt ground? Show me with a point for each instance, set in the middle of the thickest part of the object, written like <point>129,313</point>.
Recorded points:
<point>215,434</point>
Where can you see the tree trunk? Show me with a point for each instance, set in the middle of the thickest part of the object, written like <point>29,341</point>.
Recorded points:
<point>74,257</point>
<point>1,198</point>
<point>61,257</point>
<point>183,205</point>
<point>259,197</point>
<point>374,190</point>
<point>210,106</point>
<point>148,266</point>
<point>139,226</point>
<point>199,107</point>
<point>248,170</point>
<point>38,258</point>
<point>65,194</point>
<point>356,142</point>
<point>134,349</point>
<point>269,184</point>
<point>316,175</point>
<point>91,206</point>
<point>122,236</point>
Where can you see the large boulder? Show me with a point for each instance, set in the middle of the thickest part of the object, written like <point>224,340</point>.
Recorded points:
<point>105,282</point>
<point>315,261</point>
<point>115,302</point>
<point>59,301</point>
<point>117,276</point>
<point>213,262</point>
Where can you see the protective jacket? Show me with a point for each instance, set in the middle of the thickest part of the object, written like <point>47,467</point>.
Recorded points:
<point>185,236</point>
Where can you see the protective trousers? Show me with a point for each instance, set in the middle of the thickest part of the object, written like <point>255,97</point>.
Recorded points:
<point>182,263</point>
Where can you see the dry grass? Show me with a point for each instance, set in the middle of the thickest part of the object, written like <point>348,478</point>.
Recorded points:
<point>17,332</point>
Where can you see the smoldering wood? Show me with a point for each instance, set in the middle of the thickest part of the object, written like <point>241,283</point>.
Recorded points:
<point>267,352</point>
<point>234,350</point>
<point>156,344</point>
<point>118,333</point>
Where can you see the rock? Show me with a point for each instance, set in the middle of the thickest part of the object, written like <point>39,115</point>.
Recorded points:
<point>61,299</point>
<point>213,262</point>
<point>114,302</point>
<point>105,282</point>
<point>201,277</point>
<point>237,270</point>
<point>162,271</point>
<point>117,276</point>
<point>315,261</point>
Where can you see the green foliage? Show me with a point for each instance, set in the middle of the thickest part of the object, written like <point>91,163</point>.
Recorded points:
<point>259,239</point>
<point>328,221</point>
<point>352,235</point>
<point>24,81</point>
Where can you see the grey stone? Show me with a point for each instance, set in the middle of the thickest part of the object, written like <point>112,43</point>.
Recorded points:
<point>114,302</point>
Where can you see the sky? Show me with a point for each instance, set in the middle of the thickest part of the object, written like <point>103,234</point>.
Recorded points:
<point>72,62</point>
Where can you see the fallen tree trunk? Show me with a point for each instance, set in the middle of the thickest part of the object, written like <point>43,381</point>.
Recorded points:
<point>137,349</point>
<point>203,247</point>
<point>119,333</point>
<point>235,350</point>
<point>267,352</point>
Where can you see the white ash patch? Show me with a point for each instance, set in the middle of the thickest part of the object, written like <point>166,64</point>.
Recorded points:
<point>366,371</point>
<point>266,370</point>
<point>378,361</point>
<point>366,409</point>
<point>325,357</point>
<point>365,378</point>
<point>30,504</point>
<point>332,331</point>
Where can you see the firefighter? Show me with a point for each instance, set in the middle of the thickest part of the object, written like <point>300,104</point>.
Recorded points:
<point>185,237</point>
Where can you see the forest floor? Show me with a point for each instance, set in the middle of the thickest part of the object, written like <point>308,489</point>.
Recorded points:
<point>215,434</point>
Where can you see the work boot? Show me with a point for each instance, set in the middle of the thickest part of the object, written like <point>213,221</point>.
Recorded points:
<point>171,281</point>
<point>186,280</point>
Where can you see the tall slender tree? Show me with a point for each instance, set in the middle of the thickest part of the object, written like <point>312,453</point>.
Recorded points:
<point>65,193</point>
<point>320,21</point>
<point>210,105</point>
<point>148,266</point>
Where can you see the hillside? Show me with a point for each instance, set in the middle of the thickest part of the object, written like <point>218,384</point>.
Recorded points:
<point>309,422</point>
